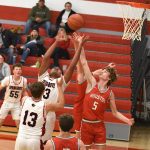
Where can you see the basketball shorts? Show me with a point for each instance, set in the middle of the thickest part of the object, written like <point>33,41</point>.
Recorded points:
<point>14,108</point>
<point>93,133</point>
<point>27,144</point>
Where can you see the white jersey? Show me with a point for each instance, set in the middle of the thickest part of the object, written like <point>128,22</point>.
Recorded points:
<point>14,90</point>
<point>51,90</point>
<point>33,117</point>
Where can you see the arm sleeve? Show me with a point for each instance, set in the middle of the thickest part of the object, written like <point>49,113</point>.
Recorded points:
<point>32,14</point>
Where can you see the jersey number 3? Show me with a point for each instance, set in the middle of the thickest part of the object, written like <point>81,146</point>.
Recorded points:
<point>46,93</point>
<point>33,116</point>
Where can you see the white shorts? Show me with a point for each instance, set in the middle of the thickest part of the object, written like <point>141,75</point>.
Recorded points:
<point>14,108</point>
<point>49,127</point>
<point>27,144</point>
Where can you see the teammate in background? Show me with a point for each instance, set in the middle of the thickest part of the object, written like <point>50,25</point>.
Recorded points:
<point>49,80</point>
<point>15,88</point>
<point>33,117</point>
<point>65,140</point>
<point>98,96</point>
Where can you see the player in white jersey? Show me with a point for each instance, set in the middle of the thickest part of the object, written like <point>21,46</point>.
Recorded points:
<point>49,79</point>
<point>15,88</point>
<point>33,117</point>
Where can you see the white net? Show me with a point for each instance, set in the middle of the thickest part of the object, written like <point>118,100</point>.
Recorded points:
<point>133,19</point>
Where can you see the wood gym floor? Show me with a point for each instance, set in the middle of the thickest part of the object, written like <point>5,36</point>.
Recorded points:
<point>140,139</point>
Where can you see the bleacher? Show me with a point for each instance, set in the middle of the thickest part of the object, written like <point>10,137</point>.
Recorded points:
<point>101,50</point>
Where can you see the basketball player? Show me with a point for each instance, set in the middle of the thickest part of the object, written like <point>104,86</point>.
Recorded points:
<point>81,88</point>
<point>15,88</point>
<point>65,141</point>
<point>33,117</point>
<point>98,96</point>
<point>49,80</point>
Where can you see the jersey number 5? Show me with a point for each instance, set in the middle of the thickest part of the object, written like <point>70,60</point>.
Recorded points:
<point>95,105</point>
<point>33,115</point>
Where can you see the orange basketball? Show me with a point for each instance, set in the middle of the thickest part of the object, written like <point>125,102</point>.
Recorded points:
<point>75,22</point>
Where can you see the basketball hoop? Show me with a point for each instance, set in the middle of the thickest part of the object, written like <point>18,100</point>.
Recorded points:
<point>133,15</point>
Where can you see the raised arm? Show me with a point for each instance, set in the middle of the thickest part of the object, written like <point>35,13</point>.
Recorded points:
<point>118,114</point>
<point>46,58</point>
<point>80,72</point>
<point>70,69</point>
<point>88,74</point>
<point>60,101</point>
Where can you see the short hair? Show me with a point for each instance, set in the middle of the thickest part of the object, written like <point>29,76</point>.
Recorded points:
<point>66,122</point>
<point>37,89</point>
<point>17,65</point>
<point>113,75</point>
<point>68,3</point>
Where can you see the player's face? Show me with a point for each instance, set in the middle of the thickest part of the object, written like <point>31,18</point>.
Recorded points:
<point>17,71</point>
<point>68,7</point>
<point>55,72</point>
<point>104,75</point>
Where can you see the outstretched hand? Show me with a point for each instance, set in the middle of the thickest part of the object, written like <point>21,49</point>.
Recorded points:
<point>131,121</point>
<point>78,39</point>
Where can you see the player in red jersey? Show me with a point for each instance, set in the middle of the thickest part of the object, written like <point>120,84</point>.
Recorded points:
<point>65,141</point>
<point>81,88</point>
<point>98,96</point>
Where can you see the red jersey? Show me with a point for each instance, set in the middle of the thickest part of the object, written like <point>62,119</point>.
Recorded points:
<point>78,105</point>
<point>95,104</point>
<point>70,143</point>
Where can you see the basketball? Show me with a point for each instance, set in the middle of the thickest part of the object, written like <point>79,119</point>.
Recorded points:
<point>75,22</point>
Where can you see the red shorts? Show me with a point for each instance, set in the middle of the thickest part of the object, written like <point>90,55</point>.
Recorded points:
<point>93,133</point>
<point>78,105</point>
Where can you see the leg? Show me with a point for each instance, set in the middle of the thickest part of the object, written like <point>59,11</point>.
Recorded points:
<point>100,136</point>
<point>15,111</point>
<point>47,26</point>
<point>10,53</point>
<point>87,134</point>
<point>25,55</point>
<point>4,112</point>
<point>28,26</point>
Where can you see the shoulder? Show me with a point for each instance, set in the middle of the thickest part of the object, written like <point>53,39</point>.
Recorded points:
<point>46,8</point>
